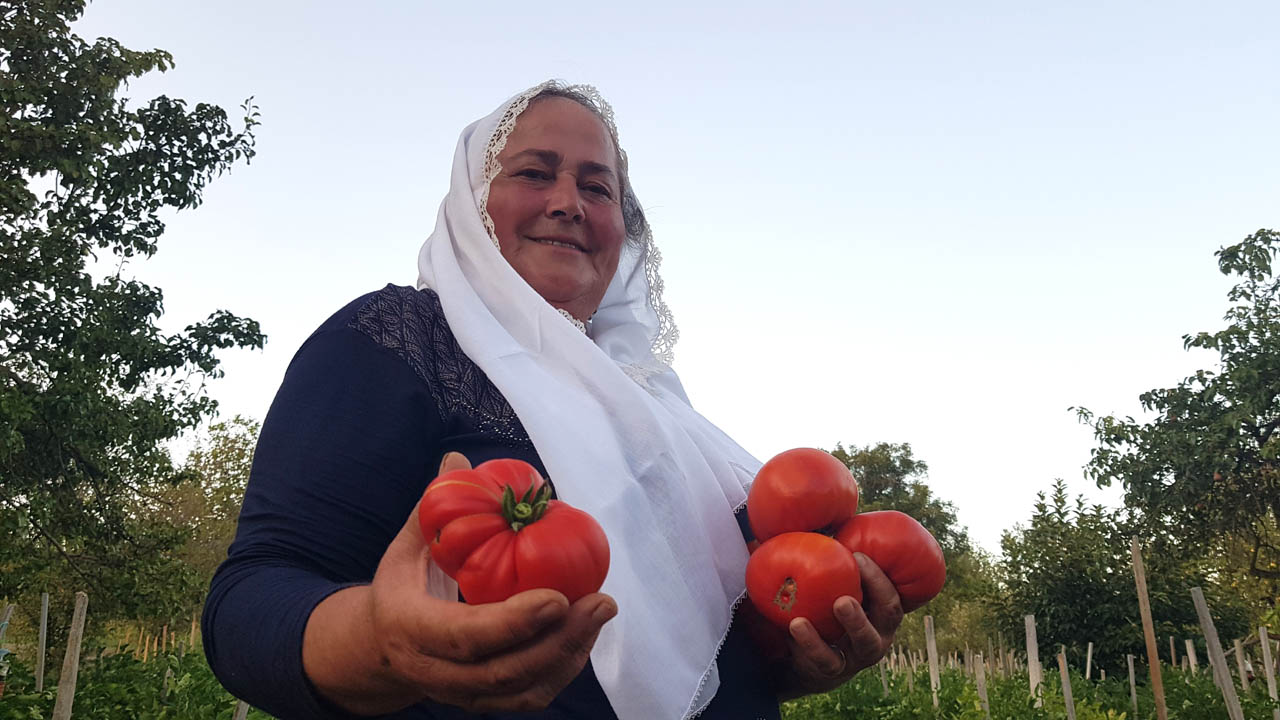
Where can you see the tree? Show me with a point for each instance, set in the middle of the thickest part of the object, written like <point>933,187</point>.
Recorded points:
<point>1072,568</point>
<point>1207,462</point>
<point>890,477</point>
<point>90,388</point>
<point>206,502</point>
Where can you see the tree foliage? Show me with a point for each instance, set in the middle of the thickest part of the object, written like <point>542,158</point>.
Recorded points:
<point>91,389</point>
<point>1072,568</point>
<point>1207,463</point>
<point>890,477</point>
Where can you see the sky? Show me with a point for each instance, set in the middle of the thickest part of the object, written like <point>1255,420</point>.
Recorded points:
<point>937,223</point>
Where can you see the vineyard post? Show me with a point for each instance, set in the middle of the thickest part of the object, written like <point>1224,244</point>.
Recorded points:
<point>911,676</point>
<point>1102,677</point>
<point>884,678</point>
<point>991,657</point>
<point>71,660</point>
<point>1268,666</point>
<point>4,620</point>
<point>981,677</point>
<point>155,647</point>
<point>146,649</point>
<point>1088,661</point>
<point>1133,687</point>
<point>1066,686</point>
<point>194,613</point>
<point>242,711</point>
<point>42,640</point>
<point>1173,654</point>
<point>164,638</point>
<point>1244,676</point>
<point>1149,631</point>
<point>1191,655</point>
<point>931,643</point>
<point>1216,658</point>
<point>1033,658</point>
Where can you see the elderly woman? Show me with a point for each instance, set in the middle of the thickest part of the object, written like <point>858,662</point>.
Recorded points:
<point>537,332</point>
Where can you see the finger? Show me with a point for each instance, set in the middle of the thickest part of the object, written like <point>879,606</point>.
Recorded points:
<point>533,675</point>
<point>469,633</point>
<point>453,461</point>
<point>880,598</point>
<point>866,644</point>
<point>813,653</point>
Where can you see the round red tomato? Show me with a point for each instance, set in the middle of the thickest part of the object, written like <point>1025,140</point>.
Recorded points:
<point>802,574</point>
<point>903,549</point>
<point>495,530</point>
<point>801,490</point>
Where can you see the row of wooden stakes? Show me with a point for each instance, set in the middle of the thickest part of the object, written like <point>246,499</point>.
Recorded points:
<point>148,647</point>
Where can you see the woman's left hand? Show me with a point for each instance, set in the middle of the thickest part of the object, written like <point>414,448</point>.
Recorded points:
<point>816,666</point>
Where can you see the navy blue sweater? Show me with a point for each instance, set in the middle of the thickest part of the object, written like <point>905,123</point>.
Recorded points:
<point>369,406</point>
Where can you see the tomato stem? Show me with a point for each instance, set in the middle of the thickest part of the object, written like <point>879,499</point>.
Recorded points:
<point>528,509</point>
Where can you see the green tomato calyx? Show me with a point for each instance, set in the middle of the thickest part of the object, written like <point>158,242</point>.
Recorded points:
<point>528,509</point>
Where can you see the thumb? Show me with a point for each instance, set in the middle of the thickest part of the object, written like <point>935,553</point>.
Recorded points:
<point>453,461</point>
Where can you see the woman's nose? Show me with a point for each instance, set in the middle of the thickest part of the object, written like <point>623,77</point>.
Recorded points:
<point>564,201</point>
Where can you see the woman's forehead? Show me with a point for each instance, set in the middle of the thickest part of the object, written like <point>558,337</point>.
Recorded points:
<point>564,127</point>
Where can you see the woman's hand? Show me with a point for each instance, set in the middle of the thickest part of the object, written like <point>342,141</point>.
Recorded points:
<point>381,647</point>
<point>816,667</point>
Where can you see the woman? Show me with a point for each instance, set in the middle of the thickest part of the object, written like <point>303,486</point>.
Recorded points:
<point>537,332</point>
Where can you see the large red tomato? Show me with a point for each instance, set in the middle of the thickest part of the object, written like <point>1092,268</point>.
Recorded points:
<point>801,490</point>
<point>496,531</point>
<point>903,549</point>
<point>802,574</point>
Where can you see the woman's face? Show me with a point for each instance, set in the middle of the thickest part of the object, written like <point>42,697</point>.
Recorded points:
<point>556,204</point>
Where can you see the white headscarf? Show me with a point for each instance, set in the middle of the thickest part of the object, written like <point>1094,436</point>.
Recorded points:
<point>612,424</point>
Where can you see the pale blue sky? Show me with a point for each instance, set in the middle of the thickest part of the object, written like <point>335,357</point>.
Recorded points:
<point>937,223</point>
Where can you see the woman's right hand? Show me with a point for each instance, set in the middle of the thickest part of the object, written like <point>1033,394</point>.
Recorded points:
<point>378,648</point>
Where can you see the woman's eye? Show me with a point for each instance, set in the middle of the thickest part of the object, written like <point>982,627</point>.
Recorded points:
<point>534,173</point>
<point>600,190</point>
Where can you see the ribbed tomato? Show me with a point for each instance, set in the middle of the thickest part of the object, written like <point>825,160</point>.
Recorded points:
<point>801,490</point>
<point>802,574</point>
<point>906,552</point>
<point>495,530</point>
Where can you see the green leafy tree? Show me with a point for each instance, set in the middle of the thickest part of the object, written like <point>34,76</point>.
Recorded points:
<point>206,501</point>
<point>1072,568</point>
<point>91,390</point>
<point>1207,463</point>
<point>890,477</point>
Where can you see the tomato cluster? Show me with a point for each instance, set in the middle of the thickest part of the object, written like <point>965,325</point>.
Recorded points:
<point>496,531</point>
<point>803,510</point>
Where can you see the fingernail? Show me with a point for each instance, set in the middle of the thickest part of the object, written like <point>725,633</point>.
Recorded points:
<point>604,612</point>
<point>796,628</point>
<point>549,612</point>
<point>844,607</point>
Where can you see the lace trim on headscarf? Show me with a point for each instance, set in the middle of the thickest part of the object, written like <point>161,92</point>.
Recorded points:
<point>663,343</point>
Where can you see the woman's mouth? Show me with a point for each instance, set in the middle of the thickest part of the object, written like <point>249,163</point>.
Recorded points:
<point>554,242</point>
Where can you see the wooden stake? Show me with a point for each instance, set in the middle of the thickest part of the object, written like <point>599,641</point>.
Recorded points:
<point>1216,658</point>
<point>1133,687</point>
<point>1149,631</point>
<point>1033,658</point>
<point>884,678</point>
<point>164,638</point>
<point>1088,661</point>
<point>4,619</point>
<point>931,643</point>
<point>1066,686</point>
<point>71,660</point>
<point>155,647</point>
<point>1244,676</point>
<point>1173,654</point>
<point>1268,667</point>
<point>1191,655</point>
<point>981,677</point>
<point>193,628</point>
<point>242,711</point>
<point>42,641</point>
<point>146,648</point>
